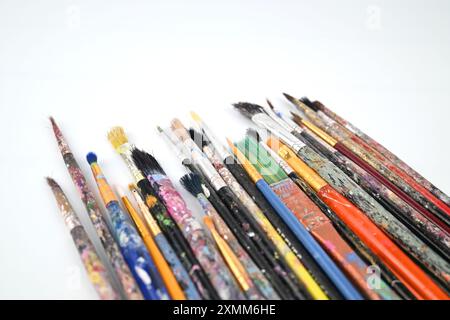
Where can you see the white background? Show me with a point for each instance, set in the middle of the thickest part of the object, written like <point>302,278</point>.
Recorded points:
<point>384,65</point>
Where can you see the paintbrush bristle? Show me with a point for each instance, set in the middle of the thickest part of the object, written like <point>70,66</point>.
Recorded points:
<point>192,183</point>
<point>297,119</point>
<point>146,163</point>
<point>270,104</point>
<point>145,188</point>
<point>199,138</point>
<point>248,109</point>
<point>254,134</point>
<point>319,105</point>
<point>117,137</point>
<point>91,157</point>
<point>52,183</point>
<point>309,103</point>
<point>195,117</point>
<point>290,98</point>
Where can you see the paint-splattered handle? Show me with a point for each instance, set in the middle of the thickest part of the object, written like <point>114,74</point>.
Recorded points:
<point>179,271</point>
<point>135,253</point>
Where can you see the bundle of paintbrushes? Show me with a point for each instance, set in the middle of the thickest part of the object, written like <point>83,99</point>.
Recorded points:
<point>304,206</point>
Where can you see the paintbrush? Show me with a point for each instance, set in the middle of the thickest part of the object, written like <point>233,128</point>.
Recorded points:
<point>438,220</point>
<point>199,241</point>
<point>374,145</point>
<point>261,226</point>
<point>120,267</point>
<point>343,184</point>
<point>261,281</point>
<point>382,167</point>
<point>402,266</point>
<point>316,222</point>
<point>129,241</point>
<point>97,272</point>
<point>335,274</point>
<point>120,143</point>
<point>239,220</point>
<point>174,289</point>
<point>238,262</point>
<point>426,230</point>
<point>343,229</point>
<point>179,244</point>
<point>291,260</point>
<point>241,176</point>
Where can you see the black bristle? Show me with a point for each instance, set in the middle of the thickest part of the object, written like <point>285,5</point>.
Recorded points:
<point>254,134</point>
<point>192,183</point>
<point>199,138</point>
<point>270,104</point>
<point>146,163</point>
<point>290,98</point>
<point>248,109</point>
<point>318,105</point>
<point>309,103</point>
<point>146,188</point>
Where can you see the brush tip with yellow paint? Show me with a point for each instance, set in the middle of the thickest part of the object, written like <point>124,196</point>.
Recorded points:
<point>117,137</point>
<point>195,116</point>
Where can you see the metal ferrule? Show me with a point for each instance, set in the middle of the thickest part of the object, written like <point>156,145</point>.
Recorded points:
<point>278,119</point>
<point>283,164</point>
<point>295,127</point>
<point>180,148</point>
<point>264,121</point>
<point>208,170</point>
<point>220,149</point>
<point>125,152</point>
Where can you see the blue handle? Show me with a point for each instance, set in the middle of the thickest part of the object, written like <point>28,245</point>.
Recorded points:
<point>319,255</point>
<point>178,269</point>
<point>136,255</point>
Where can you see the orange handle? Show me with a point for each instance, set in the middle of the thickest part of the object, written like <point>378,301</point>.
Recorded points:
<point>175,291</point>
<point>401,265</point>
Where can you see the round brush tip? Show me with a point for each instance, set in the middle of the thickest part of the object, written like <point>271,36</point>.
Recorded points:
<point>91,158</point>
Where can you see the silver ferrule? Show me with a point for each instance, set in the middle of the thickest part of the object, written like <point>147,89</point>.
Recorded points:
<point>264,121</point>
<point>125,153</point>
<point>180,148</point>
<point>208,170</point>
<point>277,119</point>
<point>220,149</point>
<point>283,164</point>
<point>295,127</point>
